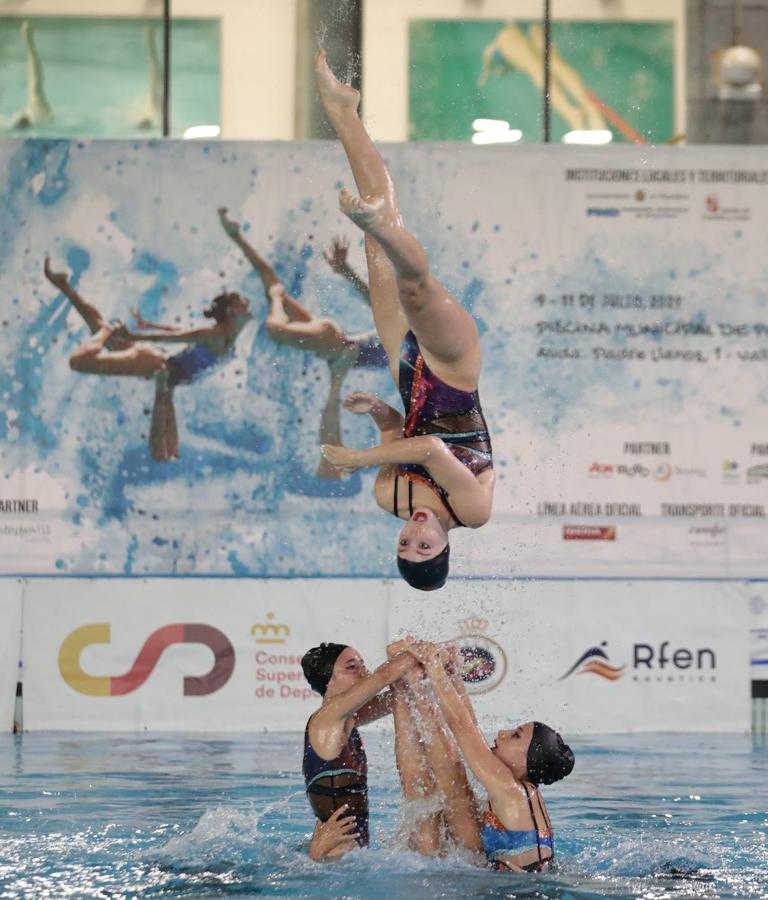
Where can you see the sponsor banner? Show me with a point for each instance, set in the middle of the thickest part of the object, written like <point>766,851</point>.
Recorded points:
<point>757,595</point>
<point>10,648</point>
<point>130,655</point>
<point>623,376</point>
<point>594,656</point>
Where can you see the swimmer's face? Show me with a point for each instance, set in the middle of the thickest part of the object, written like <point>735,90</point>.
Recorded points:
<point>239,309</point>
<point>511,747</point>
<point>348,669</point>
<point>422,537</point>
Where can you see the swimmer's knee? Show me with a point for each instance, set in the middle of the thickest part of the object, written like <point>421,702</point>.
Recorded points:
<point>415,292</point>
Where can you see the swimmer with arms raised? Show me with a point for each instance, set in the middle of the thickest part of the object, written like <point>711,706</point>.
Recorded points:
<point>335,765</point>
<point>514,832</point>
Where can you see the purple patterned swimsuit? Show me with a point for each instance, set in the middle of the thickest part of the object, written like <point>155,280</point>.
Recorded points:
<point>435,408</point>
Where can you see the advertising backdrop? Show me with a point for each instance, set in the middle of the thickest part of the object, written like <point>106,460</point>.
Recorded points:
<point>587,657</point>
<point>621,299</point>
<point>138,655</point>
<point>11,592</point>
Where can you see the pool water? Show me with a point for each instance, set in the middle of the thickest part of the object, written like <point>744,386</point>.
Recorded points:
<point>85,816</point>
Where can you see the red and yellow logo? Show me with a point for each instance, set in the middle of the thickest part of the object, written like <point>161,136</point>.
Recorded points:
<point>144,664</point>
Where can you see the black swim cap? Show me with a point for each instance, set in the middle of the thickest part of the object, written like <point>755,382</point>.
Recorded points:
<point>549,757</point>
<point>429,575</point>
<point>318,664</point>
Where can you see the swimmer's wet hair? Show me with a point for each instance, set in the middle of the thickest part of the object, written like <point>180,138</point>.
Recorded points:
<point>429,575</point>
<point>549,757</point>
<point>220,305</point>
<point>318,664</point>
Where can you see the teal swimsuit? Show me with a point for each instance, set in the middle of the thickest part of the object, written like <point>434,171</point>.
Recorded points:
<point>500,842</point>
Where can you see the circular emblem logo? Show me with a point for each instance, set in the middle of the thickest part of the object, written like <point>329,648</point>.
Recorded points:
<point>485,663</point>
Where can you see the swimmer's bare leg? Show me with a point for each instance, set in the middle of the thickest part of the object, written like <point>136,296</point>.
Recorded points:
<point>372,179</point>
<point>330,420</point>
<point>60,280</point>
<point>155,89</point>
<point>158,444</point>
<point>95,358</point>
<point>321,336</point>
<point>171,428</point>
<point>447,766</point>
<point>38,108</point>
<point>415,777</point>
<point>444,329</point>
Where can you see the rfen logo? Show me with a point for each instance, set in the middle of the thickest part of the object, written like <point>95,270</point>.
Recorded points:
<point>144,664</point>
<point>595,662</point>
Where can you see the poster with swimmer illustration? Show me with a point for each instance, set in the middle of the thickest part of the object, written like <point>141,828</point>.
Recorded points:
<point>182,323</point>
<point>104,76</point>
<point>605,76</point>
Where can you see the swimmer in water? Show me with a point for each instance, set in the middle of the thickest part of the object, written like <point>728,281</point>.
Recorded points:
<point>293,325</point>
<point>38,110</point>
<point>114,350</point>
<point>335,766</point>
<point>514,832</point>
<point>435,463</point>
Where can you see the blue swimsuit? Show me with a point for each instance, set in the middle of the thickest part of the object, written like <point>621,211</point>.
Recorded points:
<point>500,842</point>
<point>190,364</point>
<point>370,351</point>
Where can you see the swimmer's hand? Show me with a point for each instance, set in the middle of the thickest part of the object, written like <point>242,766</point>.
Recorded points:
<point>362,402</point>
<point>57,279</point>
<point>141,322</point>
<point>336,257</point>
<point>346,459</point>
<point>231,228</point>
<point>427,653</point>
<point>335,837</point>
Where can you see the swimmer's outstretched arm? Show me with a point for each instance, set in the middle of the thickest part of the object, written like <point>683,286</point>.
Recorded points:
<point>471,499</point>
<point>336,258</point>
<point>341,706</point>
<point>143,324</point>
<point>188,336</point>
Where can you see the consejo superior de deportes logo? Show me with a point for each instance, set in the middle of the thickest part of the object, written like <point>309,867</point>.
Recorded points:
<point>116,685</point>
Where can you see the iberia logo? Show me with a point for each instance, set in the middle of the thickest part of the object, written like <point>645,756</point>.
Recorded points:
<point>595,662</point>
<point>144,664</point>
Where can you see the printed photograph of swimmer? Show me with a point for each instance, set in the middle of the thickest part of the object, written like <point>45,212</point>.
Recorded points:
<point>115,350</point>
<point>435,462</point>
<point>291,324</point>
<point>436,738</point>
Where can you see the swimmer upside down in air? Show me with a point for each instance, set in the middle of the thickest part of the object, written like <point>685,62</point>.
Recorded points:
<point>114,350</point>
<point>293,325</point>
<point>436,466</point>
